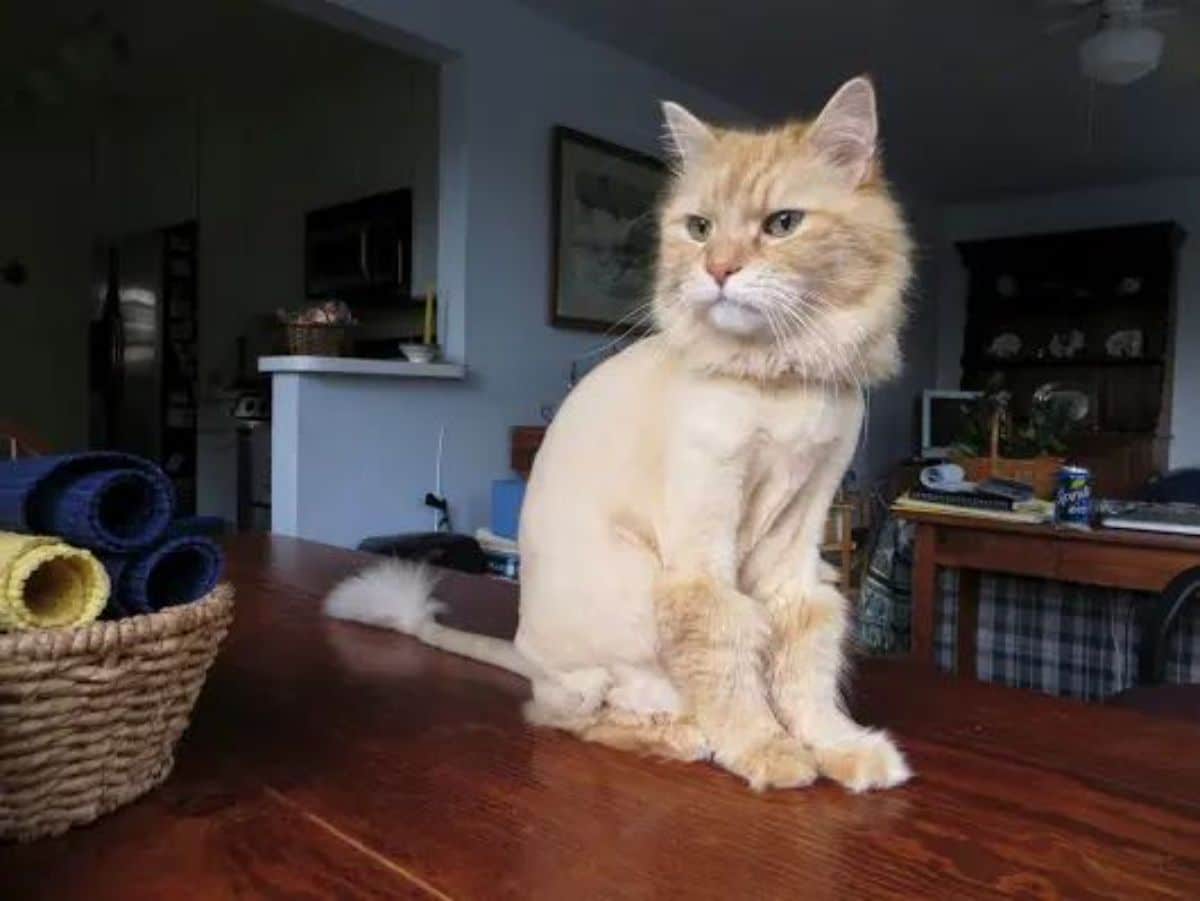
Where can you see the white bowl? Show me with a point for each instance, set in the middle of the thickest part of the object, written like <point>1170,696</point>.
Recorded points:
<point>419,353</point>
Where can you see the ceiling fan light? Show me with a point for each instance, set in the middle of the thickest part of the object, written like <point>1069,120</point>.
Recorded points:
<point>1121,55</point>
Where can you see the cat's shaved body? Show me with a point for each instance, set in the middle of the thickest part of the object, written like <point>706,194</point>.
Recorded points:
<point>671,591</point>
<point>694,485</point>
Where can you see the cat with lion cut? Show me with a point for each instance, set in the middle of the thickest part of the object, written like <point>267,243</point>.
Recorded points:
<point>673,601</point>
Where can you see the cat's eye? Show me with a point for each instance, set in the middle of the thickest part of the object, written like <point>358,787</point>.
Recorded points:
<point>698,228</point>
<point>782,223</point>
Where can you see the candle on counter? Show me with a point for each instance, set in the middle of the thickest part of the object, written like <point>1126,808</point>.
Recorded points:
<point>428,335</point>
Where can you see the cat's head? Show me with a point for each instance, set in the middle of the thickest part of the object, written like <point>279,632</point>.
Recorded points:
<point>782,253</point>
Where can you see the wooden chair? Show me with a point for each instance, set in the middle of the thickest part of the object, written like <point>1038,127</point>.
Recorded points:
<point>18,441</point>
<point>1152,694</point>
<point>1175,486</point>
<point>838,543</point>
<point>1157,619</point>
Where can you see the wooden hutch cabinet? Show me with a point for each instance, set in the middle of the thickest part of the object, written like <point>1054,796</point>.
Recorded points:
<point>1092,311</point>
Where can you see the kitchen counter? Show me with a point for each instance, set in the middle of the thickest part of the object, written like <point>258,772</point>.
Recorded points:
<point>361,366</point>
<point>354,443</point>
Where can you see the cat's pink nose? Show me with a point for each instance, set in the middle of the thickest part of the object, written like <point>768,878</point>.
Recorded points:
<point>721,271</point>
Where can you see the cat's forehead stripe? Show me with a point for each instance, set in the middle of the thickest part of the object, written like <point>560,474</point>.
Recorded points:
<point>747,171</point>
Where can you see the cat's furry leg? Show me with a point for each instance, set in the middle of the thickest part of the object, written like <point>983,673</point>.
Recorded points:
<point>711,638</point>
<point>808,627</point>
<point>577,703</point>
<point>806,660</point>
<point>659,734</point>
<point>573,697</point>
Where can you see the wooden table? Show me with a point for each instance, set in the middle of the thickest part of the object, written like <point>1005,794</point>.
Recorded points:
<point>1112,558</point>
<point>329,760</point>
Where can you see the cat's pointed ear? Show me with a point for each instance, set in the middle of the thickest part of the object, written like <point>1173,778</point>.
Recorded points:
<point>847,131</point>
<point>687,138</point>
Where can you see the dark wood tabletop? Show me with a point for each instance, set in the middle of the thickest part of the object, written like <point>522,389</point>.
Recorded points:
<point>329,760</point>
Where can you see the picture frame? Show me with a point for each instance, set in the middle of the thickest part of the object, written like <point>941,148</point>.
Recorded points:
<point>604,232</point>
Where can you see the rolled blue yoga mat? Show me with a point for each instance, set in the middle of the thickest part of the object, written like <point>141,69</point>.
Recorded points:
<point>178,571</point>
<point>109,502</point>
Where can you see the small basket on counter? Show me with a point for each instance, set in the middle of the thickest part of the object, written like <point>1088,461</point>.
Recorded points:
<point>90,716</point>
<point>322,330</point>
<point>311,339</point>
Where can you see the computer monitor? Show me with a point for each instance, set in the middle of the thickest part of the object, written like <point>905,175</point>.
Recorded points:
<point>942,417</point>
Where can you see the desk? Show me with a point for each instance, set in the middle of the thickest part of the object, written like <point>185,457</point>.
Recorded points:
<point>331,760</point>
<point>1112,558</point>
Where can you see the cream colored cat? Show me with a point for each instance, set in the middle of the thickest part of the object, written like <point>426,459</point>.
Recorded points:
<point>672,598</point>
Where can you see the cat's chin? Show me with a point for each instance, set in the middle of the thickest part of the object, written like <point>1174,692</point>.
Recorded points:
<point>737,319</point>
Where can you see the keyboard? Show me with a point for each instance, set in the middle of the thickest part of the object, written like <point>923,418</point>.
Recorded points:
<point>1179,519</point>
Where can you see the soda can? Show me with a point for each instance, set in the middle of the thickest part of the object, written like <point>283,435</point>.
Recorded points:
<point>1073,499</point>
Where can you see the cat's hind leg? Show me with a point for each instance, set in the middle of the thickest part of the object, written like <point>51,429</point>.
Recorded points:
<point>643,712</point>
<point>566,698</point>
<point>656,734</point>
<point>632,710</point>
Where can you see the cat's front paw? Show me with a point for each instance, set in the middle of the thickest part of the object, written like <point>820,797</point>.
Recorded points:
<point>869,760</point>
<point>778,762</point>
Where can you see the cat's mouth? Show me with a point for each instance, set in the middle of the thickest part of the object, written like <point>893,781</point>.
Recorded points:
<point>736,318</point>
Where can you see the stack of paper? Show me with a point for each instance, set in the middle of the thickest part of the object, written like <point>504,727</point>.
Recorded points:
<point>1032,511</point>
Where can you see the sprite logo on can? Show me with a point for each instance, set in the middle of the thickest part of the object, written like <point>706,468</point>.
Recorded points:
<point>1073,500</point>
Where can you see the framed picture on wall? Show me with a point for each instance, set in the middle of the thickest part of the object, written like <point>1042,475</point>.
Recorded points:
<point>604,232</point>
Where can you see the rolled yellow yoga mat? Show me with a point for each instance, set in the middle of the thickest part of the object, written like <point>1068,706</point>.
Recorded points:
<point>45,583</point>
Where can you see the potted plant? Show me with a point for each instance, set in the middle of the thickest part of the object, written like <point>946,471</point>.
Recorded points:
<point>994,443</point>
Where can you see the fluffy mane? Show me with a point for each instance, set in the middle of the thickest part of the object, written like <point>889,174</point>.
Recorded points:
<point>823,303</point>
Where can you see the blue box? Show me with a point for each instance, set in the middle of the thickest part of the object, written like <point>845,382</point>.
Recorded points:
<point>507,497</point>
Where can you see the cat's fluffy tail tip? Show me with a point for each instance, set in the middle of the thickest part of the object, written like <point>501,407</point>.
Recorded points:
<point>393,594</point>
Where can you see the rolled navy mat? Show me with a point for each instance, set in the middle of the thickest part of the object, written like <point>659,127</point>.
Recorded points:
<point>45,584</point>
<point>105,501</point>
<point>178,571</point>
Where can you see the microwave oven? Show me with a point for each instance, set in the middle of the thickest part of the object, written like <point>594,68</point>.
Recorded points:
<point>360,248</point>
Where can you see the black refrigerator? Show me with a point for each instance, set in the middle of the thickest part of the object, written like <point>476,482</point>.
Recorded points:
<point>143,372</point>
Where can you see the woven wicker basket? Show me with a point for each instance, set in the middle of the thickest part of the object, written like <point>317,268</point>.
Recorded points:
<point>1040,472</point>
<point>315,339</point>
<point>89,717</point>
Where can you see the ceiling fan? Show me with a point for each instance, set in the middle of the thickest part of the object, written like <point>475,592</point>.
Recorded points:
<point>82,59</point>
<point>1122,47</point>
